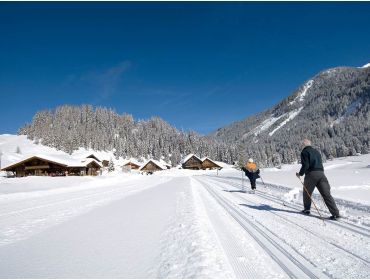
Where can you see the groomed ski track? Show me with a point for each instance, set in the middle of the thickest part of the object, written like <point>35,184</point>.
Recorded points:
<point>301,246</point>
<point>174,226</point>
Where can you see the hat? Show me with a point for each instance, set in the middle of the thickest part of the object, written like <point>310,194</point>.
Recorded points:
<point>250,160</point>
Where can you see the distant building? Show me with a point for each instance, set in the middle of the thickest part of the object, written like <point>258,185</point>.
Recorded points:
<point>152,166</point>
<point>207,163</point>
<point>191,161</point>
<point>131,164</point>
<point>53,166</point>
<point>93,157</point>
<point>103,162</point>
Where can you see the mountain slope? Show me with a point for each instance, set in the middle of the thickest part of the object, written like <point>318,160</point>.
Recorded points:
<point>332,109</point>
<point>69,128</point>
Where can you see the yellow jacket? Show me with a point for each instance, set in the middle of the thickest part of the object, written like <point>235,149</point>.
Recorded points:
<point>251,166</point>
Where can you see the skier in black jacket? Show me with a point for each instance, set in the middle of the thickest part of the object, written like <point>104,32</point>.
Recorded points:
<point>313,170</point>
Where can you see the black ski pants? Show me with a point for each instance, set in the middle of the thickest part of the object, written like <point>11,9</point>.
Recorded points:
<point>318,179</point>
<point>253,183</point>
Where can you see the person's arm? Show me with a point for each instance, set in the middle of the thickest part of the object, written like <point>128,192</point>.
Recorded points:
<point>305,163</point>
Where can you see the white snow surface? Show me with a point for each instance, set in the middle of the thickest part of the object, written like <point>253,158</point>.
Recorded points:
<point>302,94</point>
<point>182,224</point>
<point>290,116</point>
<point>266,124</point>
<point>366,65</point>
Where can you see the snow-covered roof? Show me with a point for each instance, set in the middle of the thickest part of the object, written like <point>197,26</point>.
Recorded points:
<point>165,163</point>
<point>87,161</point>
<point>92,155</point>
<point>204,158</point>
<point>133,161</point>
<point>189,157</point>
<point>58,159</point>
<point>160,165</point>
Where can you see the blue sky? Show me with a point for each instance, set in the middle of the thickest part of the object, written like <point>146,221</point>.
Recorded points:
<point>197,65</point>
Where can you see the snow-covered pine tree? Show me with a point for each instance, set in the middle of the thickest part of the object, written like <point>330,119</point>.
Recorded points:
<point>111,165</point>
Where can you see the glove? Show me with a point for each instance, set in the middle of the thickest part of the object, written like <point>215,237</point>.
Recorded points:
<point>297,174</point>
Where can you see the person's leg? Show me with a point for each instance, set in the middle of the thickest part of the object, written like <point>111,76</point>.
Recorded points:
<point>309,184</point>
<point>253,184</point>
<point>324,188</point>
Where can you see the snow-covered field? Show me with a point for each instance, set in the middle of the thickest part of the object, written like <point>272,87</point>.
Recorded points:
<point>180,224</point>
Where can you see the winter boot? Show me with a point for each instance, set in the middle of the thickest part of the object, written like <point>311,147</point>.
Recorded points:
<point>306,212</point>
<point>335,217</point>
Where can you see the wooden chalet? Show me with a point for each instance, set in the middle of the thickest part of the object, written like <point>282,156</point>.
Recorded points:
<point>88,167</point>
<point>131,164</point>
<point>103,162</point>
<point>209,164</point>
<point>47,166</point>
<point>152,166</point>
<point>192,162</point>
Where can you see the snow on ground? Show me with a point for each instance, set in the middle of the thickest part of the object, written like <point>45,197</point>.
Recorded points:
<point>182,224</point>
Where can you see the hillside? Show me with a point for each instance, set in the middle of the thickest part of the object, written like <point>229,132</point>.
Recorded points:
<point>331,108</point>
<point>69,128</point>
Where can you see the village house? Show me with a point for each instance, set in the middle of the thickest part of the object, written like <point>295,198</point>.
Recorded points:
<point>103,162</point>
<point>152,166</point>
<point>40,165</point>
<point>129,165</point>
<point>207,163</point>
<point>191,161</point>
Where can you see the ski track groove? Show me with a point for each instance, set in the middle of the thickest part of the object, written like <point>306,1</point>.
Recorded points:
<point>231,246</point>
<point>343,224</point>
<point>258,193</point>
<point>299,270</point>
<point>364,225</point>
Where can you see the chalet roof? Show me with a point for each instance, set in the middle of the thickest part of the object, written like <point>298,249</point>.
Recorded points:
<point>165,163</point>
<point>160,165</point>
<point>189,156</point>
<point>87,161</point>
<point>133,161</point>
<point>93,156</point>
<point>60,160</point>
<point>204,158</point>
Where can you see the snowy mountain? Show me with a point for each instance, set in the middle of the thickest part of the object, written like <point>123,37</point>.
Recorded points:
<point>331,108</point>
<point>69,128</point>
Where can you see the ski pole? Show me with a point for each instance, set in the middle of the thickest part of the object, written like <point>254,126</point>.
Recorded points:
<point>263,182</point>
<point>304,187</point>
<point>282,201</point>
<point>243,181</point>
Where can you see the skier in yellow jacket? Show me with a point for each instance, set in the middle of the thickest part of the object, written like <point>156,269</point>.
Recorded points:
<point>251,172</point>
